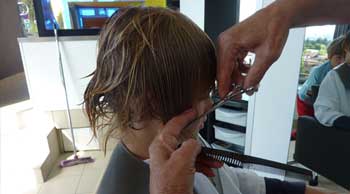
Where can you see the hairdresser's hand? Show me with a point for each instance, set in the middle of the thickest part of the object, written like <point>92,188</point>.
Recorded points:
<point>172,169</point>
<point>265,34</point>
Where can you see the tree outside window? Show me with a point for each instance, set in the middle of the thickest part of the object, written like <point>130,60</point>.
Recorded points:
<point>316,41</point>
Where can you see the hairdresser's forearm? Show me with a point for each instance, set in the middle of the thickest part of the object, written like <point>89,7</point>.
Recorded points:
<point>314,12</point>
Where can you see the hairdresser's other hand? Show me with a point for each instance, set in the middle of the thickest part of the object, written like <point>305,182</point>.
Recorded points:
<point>172,169</point>
<point>265,34</point>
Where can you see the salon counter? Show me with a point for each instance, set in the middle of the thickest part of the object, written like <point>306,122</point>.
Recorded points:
<point>41,67</point>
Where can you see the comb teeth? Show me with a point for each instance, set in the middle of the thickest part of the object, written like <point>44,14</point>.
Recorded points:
<point>222,157</point>
<point>237,160</point>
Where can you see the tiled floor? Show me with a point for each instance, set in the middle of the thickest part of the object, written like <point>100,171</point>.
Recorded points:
<point>21,148</point>
<point>23,145</point>
<point>79,179</point>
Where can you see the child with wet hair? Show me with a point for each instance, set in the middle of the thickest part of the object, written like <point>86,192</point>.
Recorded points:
<point>305,98</point>
<point>332,106</point>
<point>153,64</point>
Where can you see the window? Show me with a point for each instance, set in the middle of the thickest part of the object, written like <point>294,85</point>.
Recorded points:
<point>316,41</point>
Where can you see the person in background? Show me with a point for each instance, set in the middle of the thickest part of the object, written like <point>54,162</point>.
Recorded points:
<point>305,95</point>
<point>335,57</point>
<point>332,106</point>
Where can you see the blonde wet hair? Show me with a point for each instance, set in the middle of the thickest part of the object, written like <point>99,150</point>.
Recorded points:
<point>152,63</point>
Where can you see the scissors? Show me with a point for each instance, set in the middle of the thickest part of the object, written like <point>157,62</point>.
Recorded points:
<point>229,96</point>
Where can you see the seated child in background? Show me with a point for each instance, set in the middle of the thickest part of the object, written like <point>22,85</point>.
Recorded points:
<point>335,53</point>
<point>332,106</point>
<point>153,64</point>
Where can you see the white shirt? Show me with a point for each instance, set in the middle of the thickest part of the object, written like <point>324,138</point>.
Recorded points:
<point>333,100</point>
<point>233,180</point>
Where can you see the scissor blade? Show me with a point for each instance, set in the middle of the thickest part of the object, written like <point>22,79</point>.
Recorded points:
<point>228,97</point>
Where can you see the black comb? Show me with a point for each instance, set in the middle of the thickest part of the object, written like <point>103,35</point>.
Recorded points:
<point>237,160</point>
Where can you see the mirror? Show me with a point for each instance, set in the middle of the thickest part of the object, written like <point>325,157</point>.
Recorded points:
<point>317,39</point>
<point>76,14</point>
<point>84,17</point>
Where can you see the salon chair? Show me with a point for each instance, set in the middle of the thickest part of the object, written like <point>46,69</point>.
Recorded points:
<point>324,150</point>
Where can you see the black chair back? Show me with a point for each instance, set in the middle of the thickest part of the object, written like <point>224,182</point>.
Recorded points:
<point>324,150</point>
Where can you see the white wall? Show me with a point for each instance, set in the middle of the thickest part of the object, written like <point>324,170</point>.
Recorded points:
<point>247,8</point>
<point>39,56</point>
<point>194,9</point>
<point>271,109</point>
<point>275,101</point>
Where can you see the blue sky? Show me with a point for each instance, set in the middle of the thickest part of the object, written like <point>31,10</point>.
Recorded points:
<point>320,31</point>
